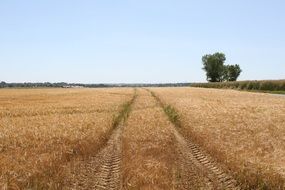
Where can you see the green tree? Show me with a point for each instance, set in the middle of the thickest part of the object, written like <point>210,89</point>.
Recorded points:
<point>233,72</point>
<point>216,71</point>
<point>214,67</point>
<point>2,84</point>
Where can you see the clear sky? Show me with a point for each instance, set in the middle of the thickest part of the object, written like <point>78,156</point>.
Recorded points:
<point>131,41</point>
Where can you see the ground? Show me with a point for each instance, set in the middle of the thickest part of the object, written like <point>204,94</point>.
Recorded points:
<point>124,138</point>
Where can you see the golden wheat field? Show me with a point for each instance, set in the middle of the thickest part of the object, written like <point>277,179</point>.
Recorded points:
<point>148,156</point>
<point>155,138</point>
<point>41,130</point>
<point>246,131</point>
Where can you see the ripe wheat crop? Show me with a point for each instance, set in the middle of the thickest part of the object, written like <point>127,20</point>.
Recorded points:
<point>44,130</point>
<point>243,130</point>
<point>148,149</point>
<point>160,138</point>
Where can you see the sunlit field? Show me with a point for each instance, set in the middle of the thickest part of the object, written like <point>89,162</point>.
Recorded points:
<point>243,130</point>
<point>41,130</point>
<point>136,138</point>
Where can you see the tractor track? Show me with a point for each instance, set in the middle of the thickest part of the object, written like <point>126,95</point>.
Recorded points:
<point>102,171</point>
<point>197,170</point>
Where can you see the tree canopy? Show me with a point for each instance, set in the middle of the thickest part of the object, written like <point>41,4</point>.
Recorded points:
<point>233,72</point>
<point>217,71</point>
<point>214,66</point>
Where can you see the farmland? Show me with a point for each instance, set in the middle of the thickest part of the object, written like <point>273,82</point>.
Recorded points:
<point>42,130</point>
<point>244,130</point>
<point>155,138</point>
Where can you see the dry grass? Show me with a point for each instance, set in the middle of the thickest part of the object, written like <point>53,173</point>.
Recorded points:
<point>41,130</point>
<point>148,149</point>
<point>245,131</point>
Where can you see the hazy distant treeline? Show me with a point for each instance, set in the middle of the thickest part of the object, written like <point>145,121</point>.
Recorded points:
<point>80,85</point>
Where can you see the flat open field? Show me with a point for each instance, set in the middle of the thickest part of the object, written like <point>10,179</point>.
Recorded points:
<point>42,130</point>
<point>244,130</point>
<point>155,138</point>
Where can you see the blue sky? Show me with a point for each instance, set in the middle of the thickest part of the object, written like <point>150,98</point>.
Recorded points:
<point>108,41</point>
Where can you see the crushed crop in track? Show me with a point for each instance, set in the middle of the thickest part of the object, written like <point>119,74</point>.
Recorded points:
<point>101,171</point>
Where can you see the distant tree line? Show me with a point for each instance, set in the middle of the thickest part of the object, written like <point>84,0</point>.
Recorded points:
<point>74,85</point>
<point>217,71</point>
<point>48,85</point>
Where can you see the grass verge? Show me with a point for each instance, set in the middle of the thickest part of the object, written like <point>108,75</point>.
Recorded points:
<point>125,111</point>
<point>170,111</point>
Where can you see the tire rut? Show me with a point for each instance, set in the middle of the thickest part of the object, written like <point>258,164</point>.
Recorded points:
<point>102,171</point>
<point>200,169</point>
<point>196,169</point>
